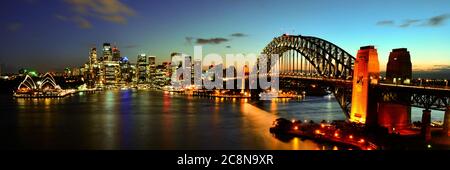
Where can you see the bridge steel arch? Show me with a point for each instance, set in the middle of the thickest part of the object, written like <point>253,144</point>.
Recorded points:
<point>329,61</point>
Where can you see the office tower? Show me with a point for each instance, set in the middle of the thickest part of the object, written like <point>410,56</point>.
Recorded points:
<point>126,71</point>
<point>142,68</point>
<point>93,57</point>
<point>152,68</point>
<point>107,52</point>
<point>112,72</point>
<point>116,54</point>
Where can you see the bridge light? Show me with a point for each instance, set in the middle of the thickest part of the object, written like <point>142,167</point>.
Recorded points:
<point>361,141</point>
<point>317,131</point>
<point>336,134</point>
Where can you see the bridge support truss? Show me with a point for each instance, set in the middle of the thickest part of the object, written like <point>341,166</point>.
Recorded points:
<point>314,57</point>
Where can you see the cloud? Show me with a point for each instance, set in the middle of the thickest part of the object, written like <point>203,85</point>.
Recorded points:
<point>385,23</point>
<point>434,71</point>
<point>429,22</point>
<point>211,40</point>
<point>14,26</point>
<point>131,46</point>
<point>204,41</point>
<point>108,10</point>
<point>189,40</point>
<point>61,17</point>
<point>432,68</point>
<point>437,20</point>
<point>441,68</point>
<point>409,22</point>
<point>82,22</point>
<point>238,35</point>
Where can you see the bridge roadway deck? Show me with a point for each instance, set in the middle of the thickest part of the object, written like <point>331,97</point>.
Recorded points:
<point>441,90</point>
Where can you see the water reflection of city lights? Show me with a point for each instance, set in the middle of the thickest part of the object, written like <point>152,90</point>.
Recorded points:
<point>295,144</point>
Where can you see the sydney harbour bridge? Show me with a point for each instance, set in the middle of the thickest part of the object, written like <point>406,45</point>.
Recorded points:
<point>355,81</point>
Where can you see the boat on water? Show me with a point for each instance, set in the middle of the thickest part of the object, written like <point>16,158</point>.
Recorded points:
<point>322,132</point>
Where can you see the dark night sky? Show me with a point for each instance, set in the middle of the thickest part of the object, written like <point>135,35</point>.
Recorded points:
<point>50,35</point>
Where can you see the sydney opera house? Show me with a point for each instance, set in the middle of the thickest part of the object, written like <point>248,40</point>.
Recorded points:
<point>42,87</point>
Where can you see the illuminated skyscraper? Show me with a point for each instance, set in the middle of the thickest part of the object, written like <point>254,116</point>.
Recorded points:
<point>116,54</point>
<point>112,72</point>
<point>142,68</point>
<point>107,52</point>
<point>126,71</point>
<point>152,68</point>
<point>93,56</point>
<point>91,70</point>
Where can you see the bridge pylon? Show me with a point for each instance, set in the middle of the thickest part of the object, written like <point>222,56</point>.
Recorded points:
<point>391,115</point>
<point>366,71</point>
<point>447,122</point>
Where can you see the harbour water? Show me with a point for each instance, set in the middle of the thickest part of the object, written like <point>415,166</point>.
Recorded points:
<point>127,119</point>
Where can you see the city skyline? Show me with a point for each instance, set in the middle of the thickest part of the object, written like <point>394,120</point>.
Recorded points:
<point>231,75</point>
<point>60,33</point>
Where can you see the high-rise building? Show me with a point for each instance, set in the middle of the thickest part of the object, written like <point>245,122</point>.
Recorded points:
<point>142,69</point>
<point>67,72</point>
<point>162,77</point>
<point>107,52</point>
<point>126,71</point>
<point>116,54</point>
<point>167,68</point>
<point>152,68</point>
<point>112,72</point>
<point>76,71</point>
<point>92,70</point>
<point>133,72</point>
<point>152,61</point>
<point>93,57</point>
